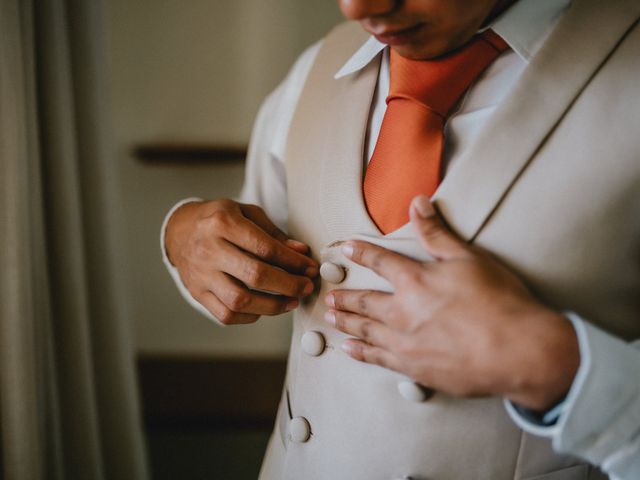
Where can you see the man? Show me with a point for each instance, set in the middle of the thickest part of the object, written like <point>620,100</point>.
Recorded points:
<point>493,290</point>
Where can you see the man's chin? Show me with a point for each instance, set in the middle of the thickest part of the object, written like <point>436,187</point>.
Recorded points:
<point>421,52</point>
<point>430,49</point>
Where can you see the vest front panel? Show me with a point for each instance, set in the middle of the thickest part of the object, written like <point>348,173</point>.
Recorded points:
<point>568,226</point>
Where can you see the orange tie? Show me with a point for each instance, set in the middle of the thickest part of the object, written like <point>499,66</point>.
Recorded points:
<point>407,157</point>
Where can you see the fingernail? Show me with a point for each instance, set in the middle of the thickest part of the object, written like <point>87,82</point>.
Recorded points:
<point>308,289</point>
<point>330,317</point>
<point>347,249</point>
<point>423,206</point>
<point>291,305</point>
<point>330,300</point>
<point>311,272</point>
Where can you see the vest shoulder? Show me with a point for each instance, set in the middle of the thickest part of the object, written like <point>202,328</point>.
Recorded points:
<point>347,32</point>
<point>343,41</point>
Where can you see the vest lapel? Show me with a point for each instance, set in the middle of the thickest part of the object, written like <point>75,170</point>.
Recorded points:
<point>325,143</point>
<point>479,181</point>
<point>344,211</point>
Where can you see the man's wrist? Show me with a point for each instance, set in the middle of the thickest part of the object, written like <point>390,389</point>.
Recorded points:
<point>165,225</point>
<point>175,224</point>
<point>550,361</point>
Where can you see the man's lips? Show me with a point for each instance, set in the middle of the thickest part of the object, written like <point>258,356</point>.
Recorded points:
<point>396,36</point>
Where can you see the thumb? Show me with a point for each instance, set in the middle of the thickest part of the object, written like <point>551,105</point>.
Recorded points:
<point>439,241</point>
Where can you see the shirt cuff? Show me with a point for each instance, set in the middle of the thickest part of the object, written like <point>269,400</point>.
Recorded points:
<point>600,418</point>
<point>544,419</point>
<point>173,271</point>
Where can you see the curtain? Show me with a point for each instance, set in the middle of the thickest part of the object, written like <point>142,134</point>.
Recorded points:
<point>68,400</point>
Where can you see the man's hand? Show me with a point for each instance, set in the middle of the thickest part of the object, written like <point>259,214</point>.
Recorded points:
<point>236,262</point>
<point>462,324</point>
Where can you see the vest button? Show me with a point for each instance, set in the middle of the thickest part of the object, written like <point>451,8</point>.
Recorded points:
<point>332,273</point>
<point>299,430</point>
<point>313,343</point>
<point>414,392</point>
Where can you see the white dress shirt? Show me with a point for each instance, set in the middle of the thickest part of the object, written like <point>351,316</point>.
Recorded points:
<point>587,424</point>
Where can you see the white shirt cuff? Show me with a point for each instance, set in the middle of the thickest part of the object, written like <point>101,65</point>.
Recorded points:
<point>173,271</point>
<point>600,420</point>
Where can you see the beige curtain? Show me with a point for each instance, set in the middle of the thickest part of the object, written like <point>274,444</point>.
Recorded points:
<point>68,404</point>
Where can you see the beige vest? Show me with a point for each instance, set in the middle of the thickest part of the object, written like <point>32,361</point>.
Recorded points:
<point>551,186</point>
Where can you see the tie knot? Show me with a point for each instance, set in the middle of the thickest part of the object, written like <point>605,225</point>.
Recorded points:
<point>440,83</point>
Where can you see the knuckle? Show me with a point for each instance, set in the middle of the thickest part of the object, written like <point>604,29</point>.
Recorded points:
<point>225,315</point>
<point>363,302</point>
<point>225,204</point>
<point>432,226</point>
<point>238,300</point>
<point>255,211</point>
<point>219,220</point>
<point>266,250</point>
<point>364,330</point>
<point>254,274</point>
<point>378,260</point>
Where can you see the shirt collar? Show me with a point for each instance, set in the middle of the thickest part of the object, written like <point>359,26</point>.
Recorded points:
<point>524,26</point>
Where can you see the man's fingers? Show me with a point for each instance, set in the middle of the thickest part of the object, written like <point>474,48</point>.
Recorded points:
<point>364,328</point>
<point>239,299</point>
<point>297,246</point>
<point>224,314</point>
<point>364,352</point>
<point>436,238</point>
<point>387,264</point>
<point>368,303</point>
<point>260,218</point>
<point>252,238</point>
<point>259,275</point>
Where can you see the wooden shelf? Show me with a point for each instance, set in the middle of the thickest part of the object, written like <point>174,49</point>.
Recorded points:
<point>187,153</point>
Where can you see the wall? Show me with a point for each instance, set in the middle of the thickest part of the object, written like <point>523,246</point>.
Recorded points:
<point>193,71</point>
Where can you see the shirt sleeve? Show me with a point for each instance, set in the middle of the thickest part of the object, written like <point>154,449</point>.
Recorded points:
<point>265,182</point>
<point>265,178</point>
<point>600,417</point>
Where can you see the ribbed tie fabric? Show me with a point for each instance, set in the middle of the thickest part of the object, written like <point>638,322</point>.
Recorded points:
<point>407,157</point>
